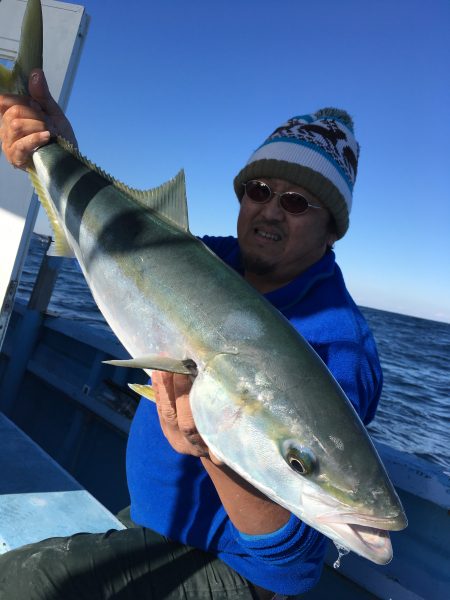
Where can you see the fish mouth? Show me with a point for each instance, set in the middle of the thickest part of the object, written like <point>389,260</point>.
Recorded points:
<point>394,523</point>
<point>369,542</point>
<point>354,529</point>
<point>365,535</point>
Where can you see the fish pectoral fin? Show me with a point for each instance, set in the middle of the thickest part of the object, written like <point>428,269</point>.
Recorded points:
<point>157,363</point>
<point>143,390</point>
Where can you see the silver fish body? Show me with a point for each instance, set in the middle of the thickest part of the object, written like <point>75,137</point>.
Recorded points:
<point>262,399</point>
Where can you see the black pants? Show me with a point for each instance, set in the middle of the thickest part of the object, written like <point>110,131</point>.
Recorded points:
<point>135,563</point>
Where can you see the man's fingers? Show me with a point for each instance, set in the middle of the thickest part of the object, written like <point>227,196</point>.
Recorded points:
<point>165,401</point>
<point>22,131</point>
<point>214,459</point>
<point>38,106</point>
<point>172,401</point>
<point>19,153</point>
<point>7,101</point>
<point>23,110</point>
<point>182,385</point>
<point>16,125</point>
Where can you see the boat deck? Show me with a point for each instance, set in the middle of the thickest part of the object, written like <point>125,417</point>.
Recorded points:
<point>38,498</point>
<point>334,586</point>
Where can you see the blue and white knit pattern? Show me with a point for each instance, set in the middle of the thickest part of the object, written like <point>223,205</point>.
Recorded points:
<point>328,137</point>
<point>327,145</point>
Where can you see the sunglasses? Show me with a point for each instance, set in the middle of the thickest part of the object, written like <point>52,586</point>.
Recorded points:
<point>292,202</point>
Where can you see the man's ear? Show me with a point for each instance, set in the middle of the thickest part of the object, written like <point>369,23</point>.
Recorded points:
<point>331,240</point>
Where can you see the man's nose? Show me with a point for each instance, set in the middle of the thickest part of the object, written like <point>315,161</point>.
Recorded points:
<point>272,209</point>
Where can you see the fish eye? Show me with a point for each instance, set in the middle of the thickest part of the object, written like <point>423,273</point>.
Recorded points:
<point>297,464</point>
<point>301,460</point>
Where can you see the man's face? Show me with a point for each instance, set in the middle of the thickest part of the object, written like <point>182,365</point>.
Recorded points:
<point>276,246</point>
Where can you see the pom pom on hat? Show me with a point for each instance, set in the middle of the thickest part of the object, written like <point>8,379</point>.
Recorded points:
<point>318,152</point>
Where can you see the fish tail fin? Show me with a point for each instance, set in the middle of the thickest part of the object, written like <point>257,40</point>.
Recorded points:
<point>6,85</point>
<point>29,57</point>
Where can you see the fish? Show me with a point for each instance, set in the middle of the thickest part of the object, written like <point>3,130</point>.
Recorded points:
<point>262,399</point>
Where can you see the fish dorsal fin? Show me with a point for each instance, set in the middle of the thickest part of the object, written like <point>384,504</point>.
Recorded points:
<point>167,200</point>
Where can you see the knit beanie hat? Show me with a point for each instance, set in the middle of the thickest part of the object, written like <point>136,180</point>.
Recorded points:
<point>318,152</point>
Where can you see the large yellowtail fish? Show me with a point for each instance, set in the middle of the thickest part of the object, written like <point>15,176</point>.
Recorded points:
<point>262,399</point>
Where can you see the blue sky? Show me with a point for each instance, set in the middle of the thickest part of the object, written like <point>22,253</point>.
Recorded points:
<point>168,84</point>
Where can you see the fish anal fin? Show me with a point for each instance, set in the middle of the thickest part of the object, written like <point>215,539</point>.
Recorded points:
<point>143,390</point>
<point>61,245</point>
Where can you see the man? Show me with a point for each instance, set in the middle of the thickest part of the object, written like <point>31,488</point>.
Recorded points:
<point>218,537</point>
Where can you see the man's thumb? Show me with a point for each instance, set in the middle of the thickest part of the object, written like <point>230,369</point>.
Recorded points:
<point>38,88</point>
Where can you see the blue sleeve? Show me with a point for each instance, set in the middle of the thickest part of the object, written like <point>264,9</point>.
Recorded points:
<point>292,542</point>
<point>287,561</point>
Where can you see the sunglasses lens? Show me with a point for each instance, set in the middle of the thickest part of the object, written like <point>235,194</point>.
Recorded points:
<point>291,202</point>
<point>257,191</point>
<point>294,203</point>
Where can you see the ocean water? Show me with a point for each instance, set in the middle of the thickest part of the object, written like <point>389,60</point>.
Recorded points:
<point>413,413</point>
<point>414,410</point>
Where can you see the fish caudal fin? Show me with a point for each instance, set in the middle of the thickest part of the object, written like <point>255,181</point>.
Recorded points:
<point>5,80</point>
<point>29,57</point>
